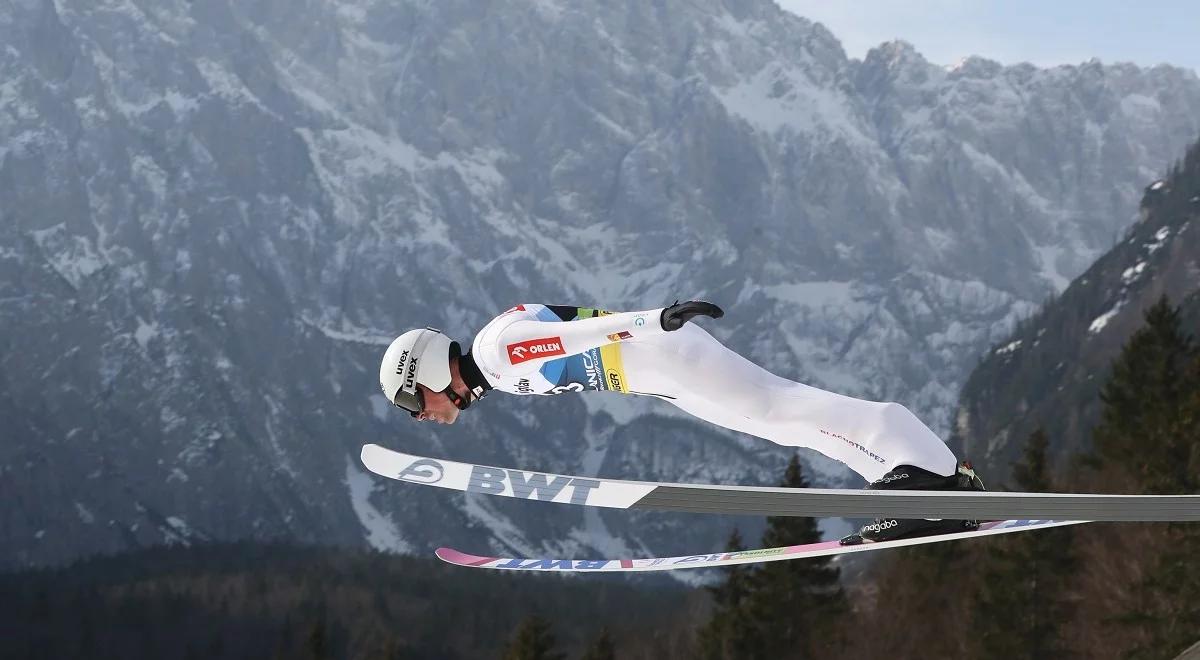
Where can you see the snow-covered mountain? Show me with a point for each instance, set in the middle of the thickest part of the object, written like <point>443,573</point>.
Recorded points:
<point>1050,371</point>
<point>213,215</point>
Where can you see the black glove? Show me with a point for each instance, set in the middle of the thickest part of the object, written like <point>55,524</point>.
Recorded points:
<point>679,313</point>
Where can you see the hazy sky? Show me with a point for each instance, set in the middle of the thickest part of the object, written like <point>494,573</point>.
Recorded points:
<point>1044,32</point>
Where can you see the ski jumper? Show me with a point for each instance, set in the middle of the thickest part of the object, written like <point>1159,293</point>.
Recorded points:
<point>551,349</point>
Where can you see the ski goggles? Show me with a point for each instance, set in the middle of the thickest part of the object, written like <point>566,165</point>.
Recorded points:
<point>412,402</point>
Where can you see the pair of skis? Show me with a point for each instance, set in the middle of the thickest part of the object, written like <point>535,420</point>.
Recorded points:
<point>1013,512</point>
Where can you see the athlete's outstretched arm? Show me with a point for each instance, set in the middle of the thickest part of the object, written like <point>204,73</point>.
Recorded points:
<point>527,344</point>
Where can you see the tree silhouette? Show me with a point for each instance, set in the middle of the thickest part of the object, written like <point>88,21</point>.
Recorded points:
<point>602,647</point>
<point>730,634</point>
<point>534,640</point>
<point>1023,598</point>
<point>1142,434</point>
<point>1149,435</point>
<point>796,603</point>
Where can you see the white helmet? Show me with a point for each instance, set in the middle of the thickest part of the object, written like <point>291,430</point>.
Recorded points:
<point>417,356</point>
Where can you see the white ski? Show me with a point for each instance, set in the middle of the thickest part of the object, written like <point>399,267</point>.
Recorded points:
<point>824,548</point>
<point>766,501</point>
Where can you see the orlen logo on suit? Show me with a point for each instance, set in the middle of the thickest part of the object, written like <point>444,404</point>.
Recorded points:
<point>535,348</point>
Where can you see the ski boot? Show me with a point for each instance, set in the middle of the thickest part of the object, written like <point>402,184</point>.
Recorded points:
<point>908,477</point>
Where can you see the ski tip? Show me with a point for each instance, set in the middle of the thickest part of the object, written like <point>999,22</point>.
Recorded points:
<point>373,457</point>
<point>452,556</point>
<point>369,448</point>
<point>366,452</point>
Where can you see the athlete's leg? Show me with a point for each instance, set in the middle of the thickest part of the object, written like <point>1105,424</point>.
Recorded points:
<point>709,381</point>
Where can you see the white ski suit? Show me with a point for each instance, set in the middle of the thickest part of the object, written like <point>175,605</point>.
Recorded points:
<point>551,349</point>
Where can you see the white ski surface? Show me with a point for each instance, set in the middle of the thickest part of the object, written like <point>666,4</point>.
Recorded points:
<point>521,484</point>
<point>760,500</point>
<point>452,556</point>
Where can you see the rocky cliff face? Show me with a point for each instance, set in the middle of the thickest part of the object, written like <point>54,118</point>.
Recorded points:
<point>214,215</point>
<point>1049,372</point>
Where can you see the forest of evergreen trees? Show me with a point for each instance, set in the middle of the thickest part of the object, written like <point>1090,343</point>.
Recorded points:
<point>279,601</point>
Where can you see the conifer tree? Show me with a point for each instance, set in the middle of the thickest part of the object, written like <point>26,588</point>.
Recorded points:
<point>1021,606</point>
<point>1150,434</point>
<point>534,640</point>
<point>796,604</point>
<point>1171,589</point>
<point>729,634</point>
<point>602,648</point>
<point>316,643</point>
<point>1150,383</point>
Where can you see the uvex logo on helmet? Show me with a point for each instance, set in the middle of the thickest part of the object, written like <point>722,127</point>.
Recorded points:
<point>411,375</point>
<point>535,348</point>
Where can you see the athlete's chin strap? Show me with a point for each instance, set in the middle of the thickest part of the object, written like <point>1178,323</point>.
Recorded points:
<point>471,375</point>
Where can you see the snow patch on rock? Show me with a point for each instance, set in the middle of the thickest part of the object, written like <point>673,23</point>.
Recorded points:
<point>381,532</point>
<point>1009,348</point>
<point>1101,321</point>
<point>85,515</point>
